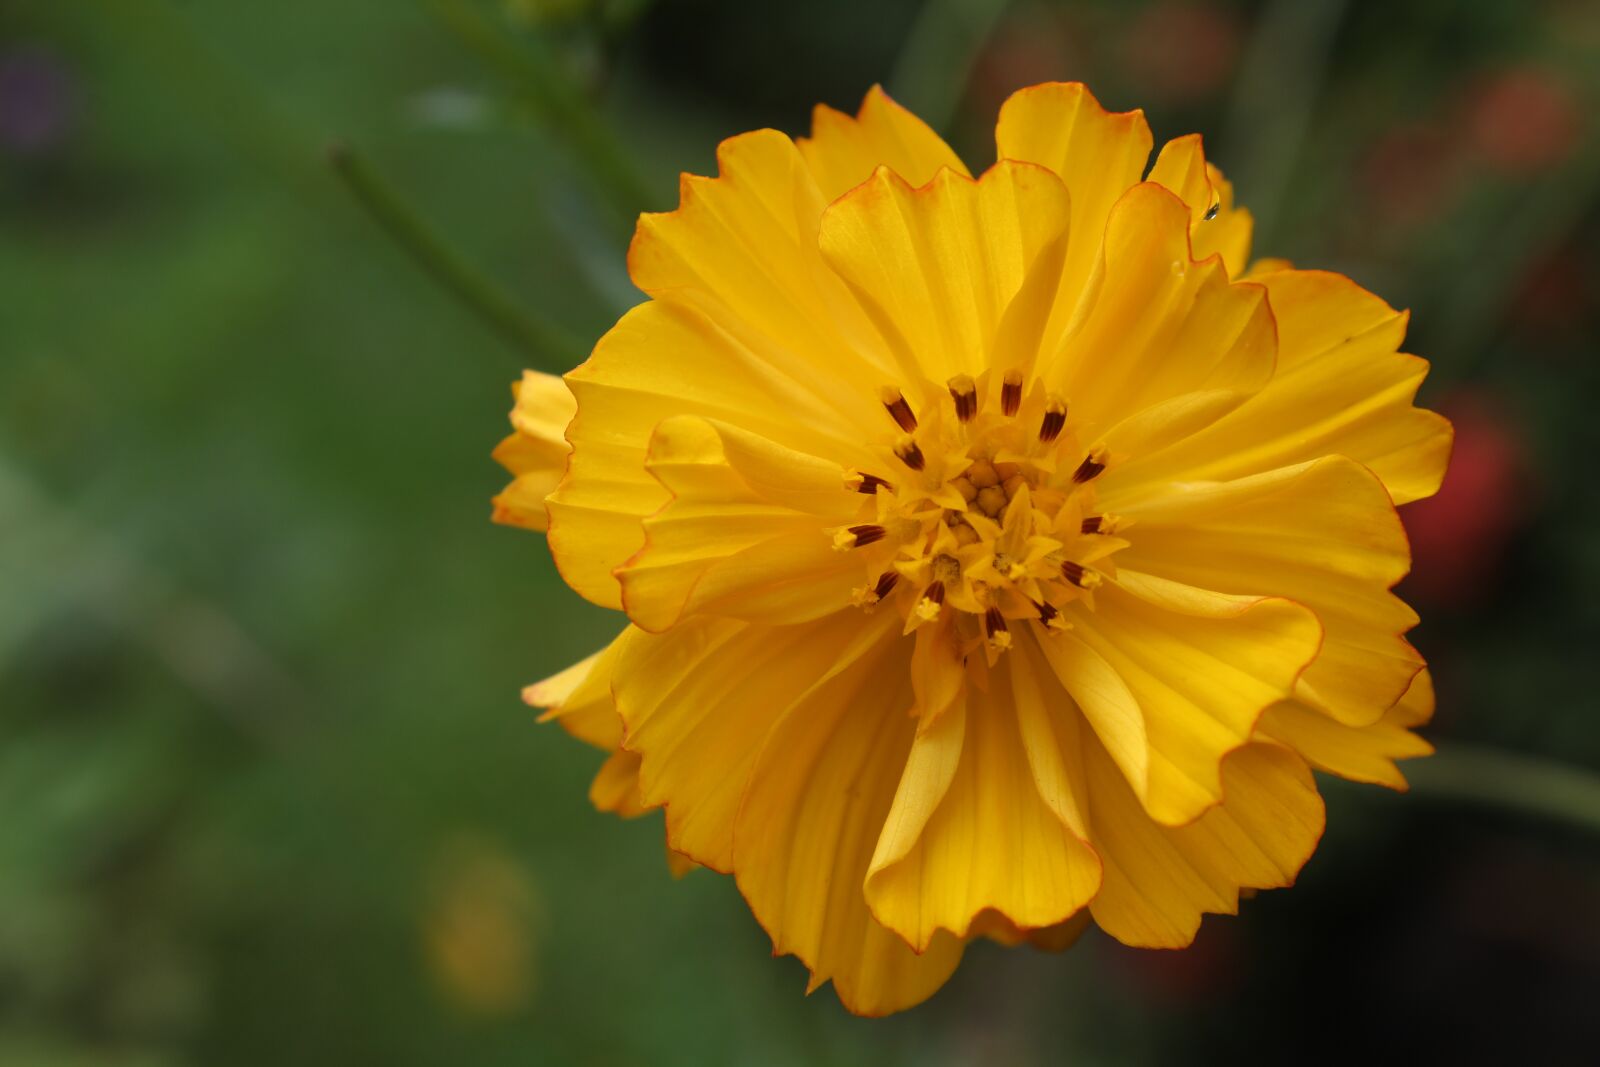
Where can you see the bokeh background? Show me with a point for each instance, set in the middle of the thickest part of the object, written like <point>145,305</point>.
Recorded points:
<point>268,793</point>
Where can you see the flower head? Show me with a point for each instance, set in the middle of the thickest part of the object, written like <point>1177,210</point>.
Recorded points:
<point>997,552</point>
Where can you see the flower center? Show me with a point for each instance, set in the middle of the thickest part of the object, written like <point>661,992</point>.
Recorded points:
<point>990,517</point>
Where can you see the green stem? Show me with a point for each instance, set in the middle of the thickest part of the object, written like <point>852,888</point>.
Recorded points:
<point>533,75</point>
<point>1274,95</point>
<point>548,346</point>
<point>1505,780</point>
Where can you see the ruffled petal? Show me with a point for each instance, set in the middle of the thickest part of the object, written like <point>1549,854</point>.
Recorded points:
<point>742,249</point>
<point>1160,880</point>
<point>1180,167</point>
<point>579,697</point>
<point>1228,233</point>
<point>1323,534</point>
<point>1202,667</point>
<point>1161,327</point>
<point>698,701</point>
<point>777,345</point>
<point>984,820</point>
<point>935,268</point>
<point>1216,227</point>
<point>1359,753</point>
<point>842,152</point>
<point>743,535</point>
<point>1342,387</point>
<point>820,790</point>
<point>616,787</point>
<point>536,451</point>
<point>630,384</point>
<point>1098,154</point>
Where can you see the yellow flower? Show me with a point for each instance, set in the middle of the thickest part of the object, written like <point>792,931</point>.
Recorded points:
<point>998,552</point>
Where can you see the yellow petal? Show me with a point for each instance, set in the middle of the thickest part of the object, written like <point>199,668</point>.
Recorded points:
<point>579,698</point>
<point>982,818</point>
<point>1105,700</point>
<point>742,296</point>
<point>1180,167</point>
<point>536,452</point>
<point>936,268</point>
<point>678,864</point>
<point>1159,880</point>
<point>698,701</point>
<point>743,535</point>
<point>616,787</point>
<point>1057,938</point>
<point>819,793</point>
<point>1216,227</point>
<point>631,383</point>
<point>842,152</point>
<point>1098,154</point>
<point>1203,667</point>
<point>1323,534</point>
<point>1360,753</point>
<point>1341,387</point>
<point>1160,325</point>
<point>742,249</point>
<point>1229,232</point>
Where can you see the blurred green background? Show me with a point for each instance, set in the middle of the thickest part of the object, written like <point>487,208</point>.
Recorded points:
<point>269,794</point>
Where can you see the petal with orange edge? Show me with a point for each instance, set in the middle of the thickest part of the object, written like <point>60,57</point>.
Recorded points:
<point>579,697</point>
<point>1160,880</point>
<point>822,787</point>
<point>1359,753</point>
<point>982,820</point>
<point>1228,232</point>
<point>742,249</point>
<point>630,384</point>
<point>1203,667</point>
<point>1098,154</point>
<point>1341,387</point>
<point>743,535</point>
<point>536,451</point>
<point>936,268</point>
<point>1180,167</point>
<point>1161,326</point>
<point>705,694</point>
<point>1323,534</point>
<point>842,151</point>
